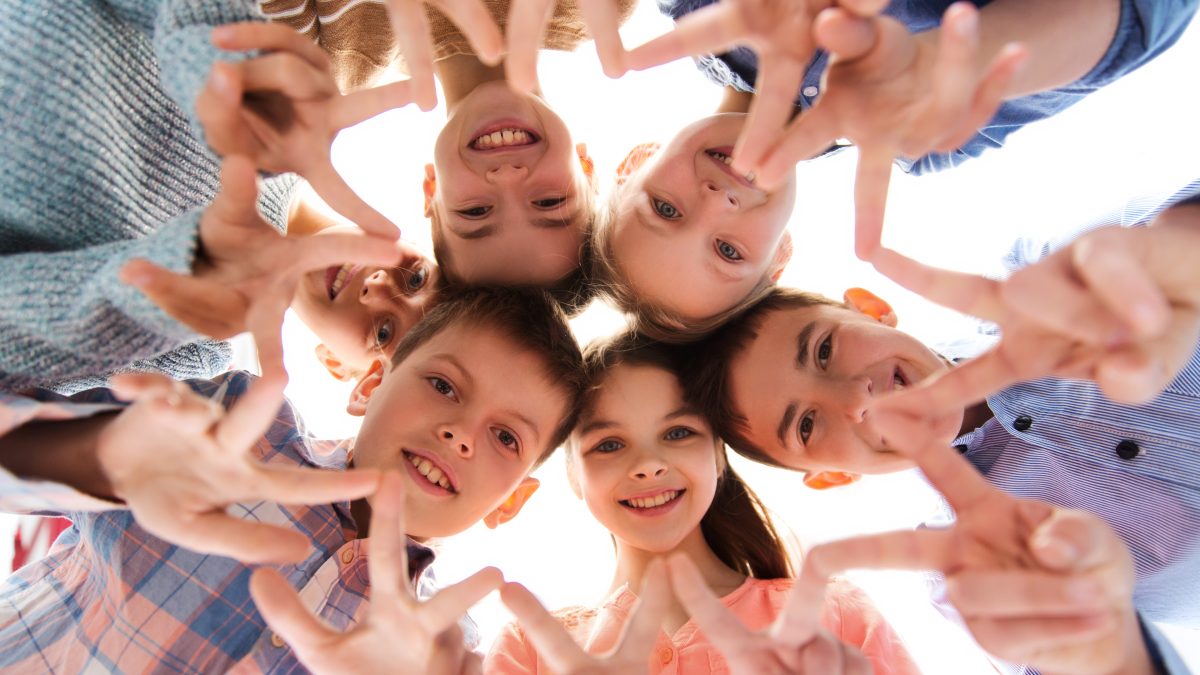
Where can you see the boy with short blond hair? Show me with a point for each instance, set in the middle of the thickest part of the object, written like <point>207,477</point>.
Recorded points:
<point>473,401</point>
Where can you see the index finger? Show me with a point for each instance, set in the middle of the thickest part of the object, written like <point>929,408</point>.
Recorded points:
<point>808,134</point>
<point>338,194</point>
<point>724,629</point>
<point>952,475</point>
<point>548,636</point>
<point>967,293</point>
<point>477,25</point>
<point>269,37</point>
<point>713,29</point>
<point>411,28</point>
<point>871,181</point>
<point>642,630</point>
<point>526,25</point>
<point>770,110</point>
<point>388,560</point>
<point>600,16</point>
<point>251,415</point>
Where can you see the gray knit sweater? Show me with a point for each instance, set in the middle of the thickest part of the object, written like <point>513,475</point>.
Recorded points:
<point>100,164</point>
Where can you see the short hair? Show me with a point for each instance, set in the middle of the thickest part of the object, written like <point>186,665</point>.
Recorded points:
<point>706,377</point>
<point>574,290</point>
<point>650,318</point>
<point>531,319</point>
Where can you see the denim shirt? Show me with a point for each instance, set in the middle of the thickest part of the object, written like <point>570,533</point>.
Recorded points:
<point>1146,28</point>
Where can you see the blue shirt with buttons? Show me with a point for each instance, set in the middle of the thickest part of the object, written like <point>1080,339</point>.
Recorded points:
<point>1145,29</point>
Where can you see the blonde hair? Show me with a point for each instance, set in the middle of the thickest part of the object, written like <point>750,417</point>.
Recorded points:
<point>652,319</point>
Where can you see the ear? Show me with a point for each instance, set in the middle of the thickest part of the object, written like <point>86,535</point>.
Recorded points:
<point>823,480</point>
<point>783,254</point>
<point>585,162</point>
<point>634,160</point>
<point>340,371</point>
<point>429,187</point>
<point>867,303</point>
<point>512,506</point>
<point>367,385</point>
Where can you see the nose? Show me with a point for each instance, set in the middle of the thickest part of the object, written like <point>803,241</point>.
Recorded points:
<point>727,197</point>
<point>457,440</point>
<point>507,174</point>
<point>380,291</point>
<point>647,467</point>
<point>857,395</point>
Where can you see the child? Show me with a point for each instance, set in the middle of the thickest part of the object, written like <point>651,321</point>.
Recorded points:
<point>794,383</point>
<point>473,399</point>
<point>685,242</point>
<point>650,469</point>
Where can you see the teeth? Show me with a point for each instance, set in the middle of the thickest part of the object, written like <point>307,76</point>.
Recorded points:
<point>726,159</point>
<point>502,138</point>
<point>340,279</point>
<point>429,471</point>
<point>649,503</point>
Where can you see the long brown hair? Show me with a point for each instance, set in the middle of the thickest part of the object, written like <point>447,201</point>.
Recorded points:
<point>737,526</point>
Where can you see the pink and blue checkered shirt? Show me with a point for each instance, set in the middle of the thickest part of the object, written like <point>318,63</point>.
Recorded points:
<point>109,597</point>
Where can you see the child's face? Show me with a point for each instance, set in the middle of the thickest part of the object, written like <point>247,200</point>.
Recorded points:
<point>509,191</point>
<point>463,417</point>
<point>357,311</point>
<point>805,383</point>
<point>693,236</point>
<point>641,445</point>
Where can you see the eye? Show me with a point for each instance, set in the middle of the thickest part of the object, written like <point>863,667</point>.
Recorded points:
<point>727,251</point>
<point>824,352</point>
<point>442,387</point>
<point>508,439</point>
<point>678,434</point>
<point>384,332</point>
<point>806,426</point>
<point>608,445</point>
<point>417,278</point>
<point>474,212</point>
<point>549,202</point>
<point>665,209</point>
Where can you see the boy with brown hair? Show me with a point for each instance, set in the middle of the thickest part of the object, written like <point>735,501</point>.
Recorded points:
<point>474,399</point>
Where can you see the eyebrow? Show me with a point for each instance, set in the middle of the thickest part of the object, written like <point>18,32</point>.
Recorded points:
<point>536,440</point>
<point>785,424</point>
<point>802,344</point>
<point>466,374</point>
<point>682,411</point>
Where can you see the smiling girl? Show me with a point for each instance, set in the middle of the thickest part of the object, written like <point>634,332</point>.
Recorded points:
<point>651,471</point>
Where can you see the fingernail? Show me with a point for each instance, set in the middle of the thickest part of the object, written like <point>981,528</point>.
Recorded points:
<point>967,23</point>
<point>220,81</point>
<point>222,34</point>
<point>1056,550</point>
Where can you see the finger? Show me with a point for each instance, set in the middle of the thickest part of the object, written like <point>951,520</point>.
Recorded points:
<point>132,386</point>
<point>1049,294</point>
<point>967,293</point>
<point>1138,373</point>
<point>362,105</point>
<point>948,391</point>
<point>250,415</point>
<point>388,562</point>
<point>1020,640</point>
<point>771,108</point>
<point>871,180</point>
<point>724,629</point>
<point>921,549</point>
<point>193,302</point>
<point>411,28</point>
<point>953,78</point>
<point>711,30</point>
<point>807,135</point>
<point>295,485</point>
<point>236,202</point>
<point>601,19</point>
<point>991,91</point>
<point>452,602</point>
<point>314,253</point>
<point>1132,295</point>
<point>477,25</point>
<point>286,74</point>
<point>642,629</point>
<point>844,33</point>
<point>285,612</point>
<point>216,533</point>
<point>269,37</point>
<point>526,25</point>
<point>952,475</point>
<point>552,642</point>
<point>1003,594</point>
<point>264,320</point>
<point>1073,540</point>
<point>338,194</point>
<point>219,109</point>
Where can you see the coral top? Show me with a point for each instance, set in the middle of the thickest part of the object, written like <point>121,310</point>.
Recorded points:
<point>848,614</point>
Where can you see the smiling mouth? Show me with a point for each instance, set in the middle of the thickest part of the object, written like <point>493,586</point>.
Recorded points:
<point>723,158</point>
<point>430,472</point>
<point>336,278</point>
<point>650,503</point>
<point>501,139</point>
<point>899,382</point>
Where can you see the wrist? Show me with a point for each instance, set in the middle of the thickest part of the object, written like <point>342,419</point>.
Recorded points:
<point>62,452</point>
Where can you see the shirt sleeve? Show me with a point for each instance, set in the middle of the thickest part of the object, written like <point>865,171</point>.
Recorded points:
<point>511,653</point>
<point>855,620</point>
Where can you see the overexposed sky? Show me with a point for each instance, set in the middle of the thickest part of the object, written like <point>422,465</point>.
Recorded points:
<point>1138,136</point>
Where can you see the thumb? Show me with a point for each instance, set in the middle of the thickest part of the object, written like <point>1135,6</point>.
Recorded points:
<point>1070,540</point>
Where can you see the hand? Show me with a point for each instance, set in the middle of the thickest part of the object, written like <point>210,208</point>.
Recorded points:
<point>787,646</point>
<point>179,460</point>
<point>1036,584</point>
<point>411,28</point>
<point>246,272</point>
<point>891,93</point>
<point>400,634</point>
<point>556,647</point>
<point>283,110</point>
<point>779,31</point>
<point>527,23</point>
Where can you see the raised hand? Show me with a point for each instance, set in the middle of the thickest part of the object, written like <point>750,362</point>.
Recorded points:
<point>246,272</point>
<point>283,110</point>
<point>179,460</point>
<point>1036,584</point>
<point>400,634</point>
<point>891,93</point>
<point>779,31</point>
<point>793,644</point>
<point>411,27</point>
<point>561,653</point>
<point>527,23</point>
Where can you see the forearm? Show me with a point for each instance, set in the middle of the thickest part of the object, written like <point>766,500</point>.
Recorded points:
<point>60,452</point>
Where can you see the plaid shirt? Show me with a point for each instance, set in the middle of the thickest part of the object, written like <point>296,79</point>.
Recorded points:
<point>111,597</point>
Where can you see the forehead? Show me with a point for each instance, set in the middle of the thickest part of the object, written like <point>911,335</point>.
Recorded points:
<point>636,388</point>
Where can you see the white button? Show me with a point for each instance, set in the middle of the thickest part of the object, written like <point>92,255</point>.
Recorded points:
<point>810,91</point>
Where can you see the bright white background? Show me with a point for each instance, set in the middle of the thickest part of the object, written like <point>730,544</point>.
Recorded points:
<point>1136,137</point>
